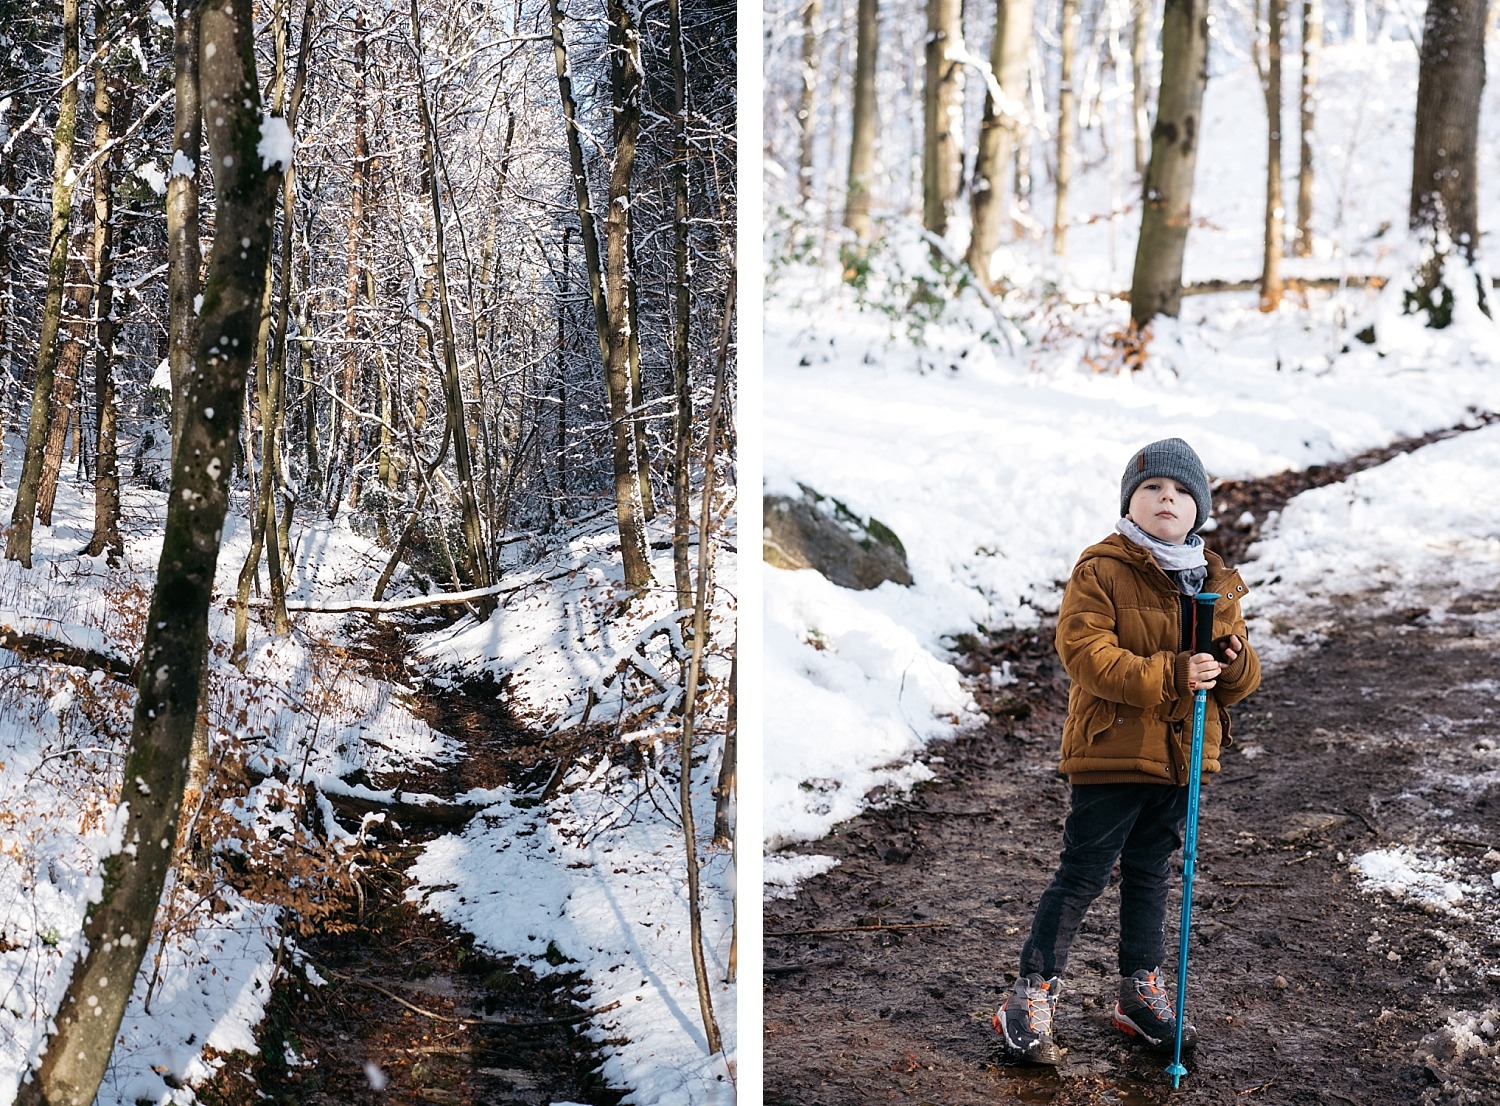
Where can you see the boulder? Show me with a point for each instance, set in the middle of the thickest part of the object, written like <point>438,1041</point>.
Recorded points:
<point>817,531</point>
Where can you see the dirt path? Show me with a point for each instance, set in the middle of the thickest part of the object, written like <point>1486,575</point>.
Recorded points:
<point>1383,734</point>
<point>442,1021</point>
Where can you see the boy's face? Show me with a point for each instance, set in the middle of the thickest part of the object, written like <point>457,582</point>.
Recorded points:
<point>1164,509</point>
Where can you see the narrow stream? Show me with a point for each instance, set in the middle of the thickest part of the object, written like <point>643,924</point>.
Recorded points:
<point>400,1006</point>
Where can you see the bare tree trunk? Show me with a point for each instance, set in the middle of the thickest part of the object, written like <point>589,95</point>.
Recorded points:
<point>346,427</point>
<point>862,142</point>
<point>111,111</point>
<point>812,11</point>
<point>1275,221</point>
<point>682,293</point>
<point>695,668</point>
<point>611,310</point>
<point>270,381</point>
<point>476,548</point>
<point>724,789</point>
<point>184,252</point>
<point>999,133</point>
<point>118,928</point>
<point>942,116</point>
<point>1312,49</point>
<point>625,53</point>
<point>1444,212</point>
<point>23,517</point>
<point>72,339</point>
<point>7,230</point>
<point>1066,110</point>
<point>1140,93</point>
<point>626,87</point>
<point>1166,210</point>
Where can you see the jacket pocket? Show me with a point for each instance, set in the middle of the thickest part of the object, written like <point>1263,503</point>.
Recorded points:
<point>1225,738</point>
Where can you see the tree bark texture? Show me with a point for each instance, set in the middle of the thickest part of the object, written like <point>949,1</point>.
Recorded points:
<point>112,104</point>
<point>1140,91</point>
<point>1444,216</point>
<point>862,140</point>
<point>476,548</point>
<point>1067,107</point>
<point>1166,209</point>
<point>1275,213</point>
<point>271,375</point>
<point>23,516</point>
<point>1312,49</point>
<point>999,133</point>
<point>807,104</point>
<point>184,251</point>
<point>118,928</point>
<point>626,87</point>
<point>942,116</point>
<point>682,430</point>
<point>71,341</point>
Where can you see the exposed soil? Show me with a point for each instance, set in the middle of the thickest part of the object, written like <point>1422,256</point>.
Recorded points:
<point>442,1021</point>
<point>881,975</point>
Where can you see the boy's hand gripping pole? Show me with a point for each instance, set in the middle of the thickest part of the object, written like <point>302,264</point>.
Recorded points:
<point>1203,635</point>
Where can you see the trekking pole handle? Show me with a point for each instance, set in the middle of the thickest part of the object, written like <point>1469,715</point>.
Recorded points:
<point>1203,624</point>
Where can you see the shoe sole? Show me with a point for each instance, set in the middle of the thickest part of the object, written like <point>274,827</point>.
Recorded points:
<point>1131,1029</point>
<point>1044,1053</point>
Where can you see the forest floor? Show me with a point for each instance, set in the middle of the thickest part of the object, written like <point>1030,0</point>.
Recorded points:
<point>441,1021</point>
<point>881,975</point>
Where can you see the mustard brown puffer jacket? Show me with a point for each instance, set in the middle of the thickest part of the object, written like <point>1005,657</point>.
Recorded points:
<point>1119,634</point>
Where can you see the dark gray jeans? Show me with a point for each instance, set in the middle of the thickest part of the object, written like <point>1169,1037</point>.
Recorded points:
<point>1138,824</point>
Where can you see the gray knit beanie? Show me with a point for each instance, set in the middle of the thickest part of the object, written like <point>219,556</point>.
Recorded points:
<point>1172,458</point>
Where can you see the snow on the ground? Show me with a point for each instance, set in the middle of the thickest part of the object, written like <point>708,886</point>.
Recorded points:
<point>295,714</point>
<point>996,466</point>
<point>598,874</point>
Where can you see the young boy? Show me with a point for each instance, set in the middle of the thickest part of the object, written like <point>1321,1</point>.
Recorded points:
<point>1125,634</point>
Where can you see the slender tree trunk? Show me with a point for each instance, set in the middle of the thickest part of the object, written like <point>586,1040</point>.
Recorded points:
<point>1444,212</point>
<point>942,116</point>
<point>118,928</point>
<point>111,112</point>
<point>862,142</point>
<point>682,295</point>
<point>690,699</point>
<point>626,94</point>
<point>1067,108</point>
<point>562,375</point>
<point>1275,220</point>
<point>7,253</point>
<point>999,133</point>
<point>725,787</point>
<point>1166,210</point>
<point>184,252</point>
<point>611,314</point>
<point>1140,92</point>
<point>343,414</point>
<point>477,551</point>
<point>807,105</point>
<point>625,68</point>
<point>23,517</point>
<point>1312,49</point>
<point>72,340</point>
<point>270,380</point>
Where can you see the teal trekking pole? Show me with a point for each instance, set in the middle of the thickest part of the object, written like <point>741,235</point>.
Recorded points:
<point>1203,634</point>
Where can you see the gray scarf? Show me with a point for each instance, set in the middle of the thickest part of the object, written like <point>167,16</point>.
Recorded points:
<point>1185,563</point>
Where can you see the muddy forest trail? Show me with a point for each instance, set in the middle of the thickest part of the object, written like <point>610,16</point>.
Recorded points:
<point>882,974</point>
<point>440,1020</point>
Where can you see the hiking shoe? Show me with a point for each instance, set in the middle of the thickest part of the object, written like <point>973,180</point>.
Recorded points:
<point>1145,1011</point>
<point>1024,1020</point>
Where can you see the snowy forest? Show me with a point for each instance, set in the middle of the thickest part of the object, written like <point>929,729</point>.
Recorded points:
<point>1007,244</point>
<point>369,496</point>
